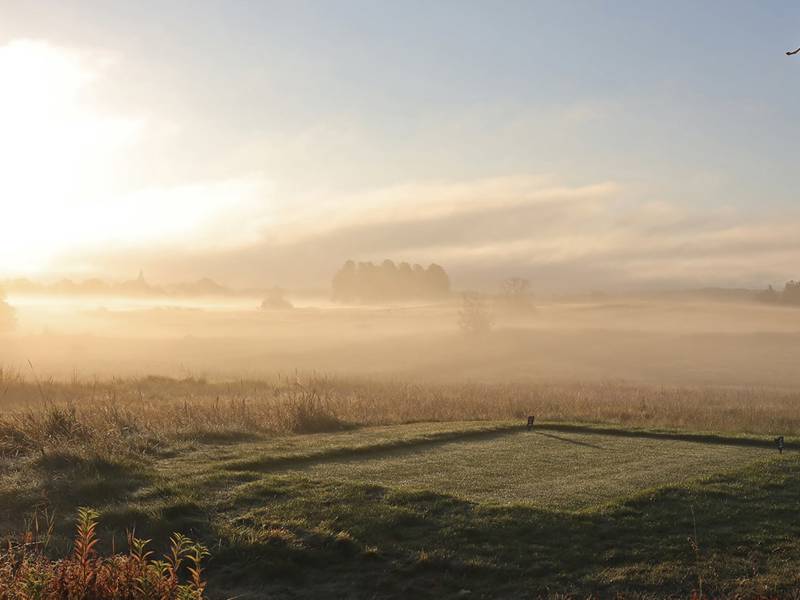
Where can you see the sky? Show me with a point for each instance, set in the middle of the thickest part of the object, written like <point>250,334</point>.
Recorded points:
<point>582,145</point>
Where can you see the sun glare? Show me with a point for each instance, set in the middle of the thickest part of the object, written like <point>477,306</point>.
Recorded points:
<point>57,153</point>
<point>60,193</point>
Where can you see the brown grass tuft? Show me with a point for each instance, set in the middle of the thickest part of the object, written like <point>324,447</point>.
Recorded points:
<point>148,415</point>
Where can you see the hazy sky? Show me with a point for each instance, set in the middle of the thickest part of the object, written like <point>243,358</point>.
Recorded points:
<point>581,144</point>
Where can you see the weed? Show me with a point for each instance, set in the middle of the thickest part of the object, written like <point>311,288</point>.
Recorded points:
<point>26,572</point>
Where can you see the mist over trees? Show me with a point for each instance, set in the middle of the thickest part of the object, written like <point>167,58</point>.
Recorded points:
<point>475,317</point>
<point>789,296</point>
<point>516,297</point>
<point>276,300</point>
<point>366,282</point>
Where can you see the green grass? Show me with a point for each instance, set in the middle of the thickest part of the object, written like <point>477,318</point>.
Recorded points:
<point>543,469</point>
<point>431,510</point>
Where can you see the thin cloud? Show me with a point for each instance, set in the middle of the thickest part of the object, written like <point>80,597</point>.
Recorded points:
<point>65,157</point>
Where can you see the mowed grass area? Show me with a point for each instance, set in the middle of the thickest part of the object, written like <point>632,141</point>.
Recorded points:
<point>438,510</point>
<point>543,468</point>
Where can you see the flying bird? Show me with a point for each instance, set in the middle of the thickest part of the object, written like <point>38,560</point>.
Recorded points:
<point>792,52</point>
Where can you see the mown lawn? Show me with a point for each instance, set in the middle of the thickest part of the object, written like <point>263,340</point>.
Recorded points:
<point>453,510</point>
<point>543,469</point>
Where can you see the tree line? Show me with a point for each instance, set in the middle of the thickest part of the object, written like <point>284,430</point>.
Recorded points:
<point>362,282</point>
<point>790,294</point>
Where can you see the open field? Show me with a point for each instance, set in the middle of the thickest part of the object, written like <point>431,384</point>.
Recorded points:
<point>434,509</point>
<point>406,472</point>
<point>656,341</point>
<point>152,415</point>
<point>369,300</point>
<point>544,469</point>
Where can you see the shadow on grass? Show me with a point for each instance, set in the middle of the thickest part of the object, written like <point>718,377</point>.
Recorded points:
<point>700,438</point>
<point>390,448</point>
<point>322,539</point>
<point>159,521</point>
<point>61,482</point>
<point>69,480</point>
<point>568,440</point>
<point>221,437</point>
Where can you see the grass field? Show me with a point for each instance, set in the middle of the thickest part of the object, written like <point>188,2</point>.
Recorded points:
<point>543,469</point>
<point>450,509</point>
<point>153,415</point>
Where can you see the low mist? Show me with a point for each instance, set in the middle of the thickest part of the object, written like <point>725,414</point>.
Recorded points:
<point>657,339</point>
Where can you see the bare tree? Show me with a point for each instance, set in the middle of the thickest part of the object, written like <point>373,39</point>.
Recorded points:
<point>516,295</point>
<point>475,318</point>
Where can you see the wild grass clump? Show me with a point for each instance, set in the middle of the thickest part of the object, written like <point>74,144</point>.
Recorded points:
<point>306,411</point>
<point>147,416</point>
<point>27,573</point>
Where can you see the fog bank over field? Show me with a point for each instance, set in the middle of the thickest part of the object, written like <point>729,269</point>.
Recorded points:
<point>661,340</point>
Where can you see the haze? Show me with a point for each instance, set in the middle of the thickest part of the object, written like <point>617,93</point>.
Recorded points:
<point>264,144</point>
<point>399,299</point>
<point>633,153</point>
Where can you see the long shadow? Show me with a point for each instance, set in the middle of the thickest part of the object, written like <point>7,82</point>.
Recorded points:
<point>568,440</point>
<point>60,482</point>
<point>392,448</point>
<point>700,438</point>
<point>638,549</point>
<point>404,447</point>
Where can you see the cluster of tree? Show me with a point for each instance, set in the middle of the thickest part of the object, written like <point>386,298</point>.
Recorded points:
<point>477,314</point>
<point>276,300</point>
<point>516,297</point>
<point>131,287</point>
<point>790,294</point>
<point>7,318</point>
<point>388,282</point>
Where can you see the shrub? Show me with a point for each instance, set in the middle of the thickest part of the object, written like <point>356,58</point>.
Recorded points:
<point>307,412</point>
<point>276,300</point>
<point>26,572</point>
<point>516,297</point>
<point>475,318</point>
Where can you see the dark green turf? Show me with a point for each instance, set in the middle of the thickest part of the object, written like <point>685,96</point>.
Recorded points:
<point>456,510</point>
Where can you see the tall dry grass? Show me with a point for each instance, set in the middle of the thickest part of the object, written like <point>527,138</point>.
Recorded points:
<point>147,414</point>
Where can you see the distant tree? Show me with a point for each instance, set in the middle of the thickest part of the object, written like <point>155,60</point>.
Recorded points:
<point>344,283</point>
<point>438,282</point>
<point>475,318</point>
<point>275,300</point>
<point>388,282</point>
<point>418,281</point>
<point>368,284</point>
<point>769,295</point>
<point>516,295</point>
<point>791,293</point>
<point>7,317</point>
<point>405,278</point>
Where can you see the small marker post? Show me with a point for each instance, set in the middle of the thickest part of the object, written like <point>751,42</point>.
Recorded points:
<point>530,422</point>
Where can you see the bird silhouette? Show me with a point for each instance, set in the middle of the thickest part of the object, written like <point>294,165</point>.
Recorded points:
<point>792,52</point>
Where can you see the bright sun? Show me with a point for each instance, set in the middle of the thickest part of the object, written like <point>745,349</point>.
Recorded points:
<point>61,199</point>
<point>57,154</point>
